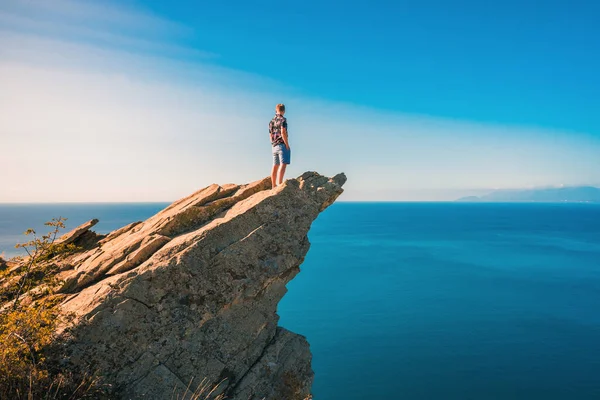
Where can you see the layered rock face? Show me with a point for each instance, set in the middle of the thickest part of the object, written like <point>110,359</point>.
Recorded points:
<point>192,293</point>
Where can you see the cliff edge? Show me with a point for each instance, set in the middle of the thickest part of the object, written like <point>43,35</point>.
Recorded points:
<point>192,293</point>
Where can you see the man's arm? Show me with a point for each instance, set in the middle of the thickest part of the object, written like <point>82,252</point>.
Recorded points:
<point>284,135</point>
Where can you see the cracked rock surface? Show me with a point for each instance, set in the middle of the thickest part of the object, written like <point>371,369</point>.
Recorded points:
<point>192,293</point>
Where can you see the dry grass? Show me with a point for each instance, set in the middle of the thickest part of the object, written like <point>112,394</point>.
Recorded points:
<point>204,391</point>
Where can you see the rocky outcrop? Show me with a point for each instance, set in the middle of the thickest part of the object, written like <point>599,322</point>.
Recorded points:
<point>191,294</point>
<point>76,233</point>
<point>82,236</point>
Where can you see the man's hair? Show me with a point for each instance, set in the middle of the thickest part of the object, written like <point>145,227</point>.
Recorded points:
<point>279,108</point>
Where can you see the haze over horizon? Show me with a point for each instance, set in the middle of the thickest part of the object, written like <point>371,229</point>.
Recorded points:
<point>106,101</point>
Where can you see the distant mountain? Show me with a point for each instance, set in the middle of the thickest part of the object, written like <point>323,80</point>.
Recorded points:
<point>575,194</point>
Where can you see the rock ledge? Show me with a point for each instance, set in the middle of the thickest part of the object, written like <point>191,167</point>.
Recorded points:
<point>192,293</point>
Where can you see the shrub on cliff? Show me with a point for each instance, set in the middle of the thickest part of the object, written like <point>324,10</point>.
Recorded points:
<point>28,321</point>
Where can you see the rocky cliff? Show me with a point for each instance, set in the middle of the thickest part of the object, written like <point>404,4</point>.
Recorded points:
<point>192,293</point>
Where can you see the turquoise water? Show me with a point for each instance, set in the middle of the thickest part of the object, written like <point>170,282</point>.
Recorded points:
<point>431,300</point>
<point>451,301</point>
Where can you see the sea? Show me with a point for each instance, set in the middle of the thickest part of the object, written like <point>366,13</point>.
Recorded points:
<point>428,300</point>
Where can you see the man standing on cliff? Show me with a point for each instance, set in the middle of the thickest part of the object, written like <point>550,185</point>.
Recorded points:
<point>281,147</point>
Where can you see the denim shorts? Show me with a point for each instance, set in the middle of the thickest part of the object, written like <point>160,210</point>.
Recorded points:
<point>281,155</point>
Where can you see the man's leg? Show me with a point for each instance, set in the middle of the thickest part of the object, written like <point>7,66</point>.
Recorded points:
<point>281,173</point>
<point>286,156</point>
<point>274,175</point>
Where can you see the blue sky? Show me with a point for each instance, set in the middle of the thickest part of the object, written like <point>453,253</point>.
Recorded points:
<point>414,100</point>
<point>514,62</point>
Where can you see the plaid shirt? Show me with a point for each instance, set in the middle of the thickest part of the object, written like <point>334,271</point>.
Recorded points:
<point>275,127</point>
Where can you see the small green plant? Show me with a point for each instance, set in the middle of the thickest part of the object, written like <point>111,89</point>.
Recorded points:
<point>36,268</point>
<point>24,333</point>
<point>27,328</point>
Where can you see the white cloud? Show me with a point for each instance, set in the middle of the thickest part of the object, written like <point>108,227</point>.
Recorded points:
<point>109,25</point>
<point>137,43</point>
<point>88,13</point>
<point>90,122</point>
